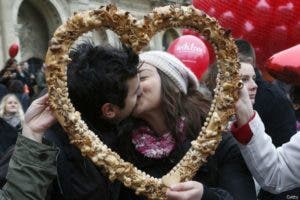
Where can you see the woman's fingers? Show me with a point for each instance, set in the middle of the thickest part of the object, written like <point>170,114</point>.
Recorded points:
<point>185,191</point>
<point>183,186</point>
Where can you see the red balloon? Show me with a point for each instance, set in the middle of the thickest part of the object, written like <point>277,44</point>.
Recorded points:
<point>285,65</point>
<point>187,31</point>
<point>13,50</point>
<point>211,51</point>
<point>269,25</point>
<point>192,51</point>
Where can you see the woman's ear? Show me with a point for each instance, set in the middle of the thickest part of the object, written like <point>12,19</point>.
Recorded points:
<point>109,110</point>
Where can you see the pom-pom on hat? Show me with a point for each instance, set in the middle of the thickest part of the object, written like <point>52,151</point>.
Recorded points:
<point>182,76</point>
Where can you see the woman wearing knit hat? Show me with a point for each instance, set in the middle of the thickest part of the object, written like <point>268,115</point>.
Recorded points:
<point>168,116</point>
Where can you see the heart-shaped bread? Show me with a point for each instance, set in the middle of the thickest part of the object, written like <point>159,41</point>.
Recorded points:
<point>137,34</point>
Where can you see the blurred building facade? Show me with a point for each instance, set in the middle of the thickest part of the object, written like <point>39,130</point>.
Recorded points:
<point>31,23</point>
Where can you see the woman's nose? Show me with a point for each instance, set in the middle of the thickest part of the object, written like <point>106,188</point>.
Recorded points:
<point>253,85</point>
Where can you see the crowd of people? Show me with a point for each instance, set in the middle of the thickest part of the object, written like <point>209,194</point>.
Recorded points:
<point>26,77</point>
<point>20,83</point>
<point>148,108</point>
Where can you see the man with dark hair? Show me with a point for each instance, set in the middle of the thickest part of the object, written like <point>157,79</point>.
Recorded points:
<point>103,85</point>
<point>103,79</point>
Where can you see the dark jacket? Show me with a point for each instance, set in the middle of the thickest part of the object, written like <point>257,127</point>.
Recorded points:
<point>224,171</point>
<point>79,178</point>
<point>3,91</point>
<point>8,135</point>
<point>4,164</point>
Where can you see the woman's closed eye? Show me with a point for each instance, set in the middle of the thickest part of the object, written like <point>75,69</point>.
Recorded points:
<point>143,78</point>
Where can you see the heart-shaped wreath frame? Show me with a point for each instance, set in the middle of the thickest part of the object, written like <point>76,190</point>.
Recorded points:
<point>137,34</point>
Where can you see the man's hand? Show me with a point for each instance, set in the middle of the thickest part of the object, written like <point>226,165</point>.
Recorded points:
<point>243,107</point>
<point>190,190</point>
<point>38,118</point>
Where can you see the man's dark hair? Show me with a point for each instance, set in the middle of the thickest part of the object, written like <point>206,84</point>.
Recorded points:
<point>16,86</point>
<point>98,75</point>
<point>246,52</point>
<point>295,94</point>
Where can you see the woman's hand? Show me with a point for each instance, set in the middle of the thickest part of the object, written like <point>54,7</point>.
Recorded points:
<point>38,118</point>
<point>243,107</point>
<point>190,190</point>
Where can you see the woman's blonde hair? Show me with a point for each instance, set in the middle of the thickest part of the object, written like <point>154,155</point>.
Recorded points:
<point>20,112</point>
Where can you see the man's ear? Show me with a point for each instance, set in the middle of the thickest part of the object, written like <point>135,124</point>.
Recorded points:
<point>109,110</point>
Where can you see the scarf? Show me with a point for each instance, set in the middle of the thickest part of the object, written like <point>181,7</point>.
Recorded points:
<point>151,146</point>
<point>12,119</point>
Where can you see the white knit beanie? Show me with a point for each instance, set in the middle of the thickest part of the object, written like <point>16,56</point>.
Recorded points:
<point>182,76</point>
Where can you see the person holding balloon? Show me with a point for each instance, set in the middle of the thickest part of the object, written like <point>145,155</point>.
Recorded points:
<point>9,71</point>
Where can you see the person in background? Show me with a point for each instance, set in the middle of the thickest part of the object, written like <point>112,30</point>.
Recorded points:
<point>271,102</point>
<point>40,79</point>
<point>3,91</point>
<point>274,108</point>
<point>276,170</point>
<point>26,77</point>
<point>22,75</point>
<point>16,87</point>
<point>11,121</point>
<point>295,98</point>
<point>9,71</point>
<point>248,77</point>
<point>32,166</point>
<point>34,67</point>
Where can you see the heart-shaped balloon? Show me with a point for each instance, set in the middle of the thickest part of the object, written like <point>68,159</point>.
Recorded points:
<point>269,25</point>
<point>285,65</point>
